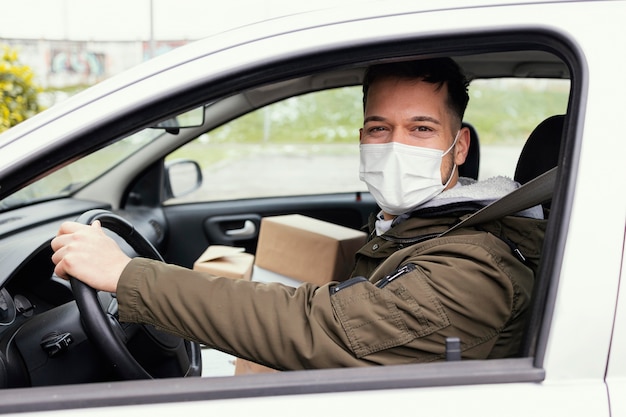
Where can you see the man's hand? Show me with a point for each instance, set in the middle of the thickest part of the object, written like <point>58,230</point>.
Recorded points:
<point>88,254</point>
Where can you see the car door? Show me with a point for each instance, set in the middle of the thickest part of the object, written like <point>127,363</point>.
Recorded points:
<point>616,371</point>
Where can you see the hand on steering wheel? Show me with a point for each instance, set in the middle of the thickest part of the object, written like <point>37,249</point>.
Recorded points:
<point>104,329</point>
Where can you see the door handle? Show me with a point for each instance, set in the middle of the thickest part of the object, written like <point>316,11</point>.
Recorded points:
<point>248,230</point>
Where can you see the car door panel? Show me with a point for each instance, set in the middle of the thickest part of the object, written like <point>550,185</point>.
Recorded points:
<point>238,223</point>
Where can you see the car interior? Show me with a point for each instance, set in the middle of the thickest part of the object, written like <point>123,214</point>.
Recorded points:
<point>138,193</point>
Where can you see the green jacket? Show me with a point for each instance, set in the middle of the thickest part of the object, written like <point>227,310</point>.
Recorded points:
<point>468,284</point>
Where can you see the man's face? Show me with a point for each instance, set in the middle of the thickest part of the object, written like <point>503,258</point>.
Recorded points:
<point>413,112</point>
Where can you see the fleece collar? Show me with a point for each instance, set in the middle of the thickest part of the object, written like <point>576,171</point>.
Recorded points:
<point>482,193</point>
<point>466,190</point>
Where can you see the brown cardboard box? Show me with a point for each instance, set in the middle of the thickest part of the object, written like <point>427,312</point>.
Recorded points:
<point>225,261</point>
<point>245,367</point>
<point>307,249</point>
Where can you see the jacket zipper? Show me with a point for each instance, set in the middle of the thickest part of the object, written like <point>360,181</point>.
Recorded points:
<point>346,284</point>
<point>383,282</point>
<point>412,241</point>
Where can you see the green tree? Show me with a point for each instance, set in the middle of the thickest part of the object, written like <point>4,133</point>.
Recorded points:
<point>18,90</point>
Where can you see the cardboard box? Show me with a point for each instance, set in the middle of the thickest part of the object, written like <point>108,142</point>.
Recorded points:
<point>225,261</point>
<point>307,249</point>
<point>245,367</point>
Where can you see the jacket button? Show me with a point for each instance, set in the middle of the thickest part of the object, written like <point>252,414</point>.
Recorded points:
<point>375,246</point>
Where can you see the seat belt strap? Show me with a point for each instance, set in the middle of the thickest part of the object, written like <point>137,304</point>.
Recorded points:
<point>534,192</point>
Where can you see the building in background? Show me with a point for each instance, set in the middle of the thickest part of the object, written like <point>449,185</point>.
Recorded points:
<point>60,64</point>
<point>71,44</point>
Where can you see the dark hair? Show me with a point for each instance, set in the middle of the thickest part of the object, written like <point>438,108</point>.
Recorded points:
<point>438,71</point>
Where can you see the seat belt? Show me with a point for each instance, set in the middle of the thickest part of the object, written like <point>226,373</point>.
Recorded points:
<point>534,192</point>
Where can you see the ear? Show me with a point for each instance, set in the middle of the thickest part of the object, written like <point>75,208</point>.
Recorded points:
<point>360,135</point>
<point>462,146</point>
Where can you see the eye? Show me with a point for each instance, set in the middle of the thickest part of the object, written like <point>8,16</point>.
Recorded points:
<point>423,131</point>
<point>376,131</point>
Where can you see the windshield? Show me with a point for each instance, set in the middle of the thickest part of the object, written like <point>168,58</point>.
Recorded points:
<point>74,176</point>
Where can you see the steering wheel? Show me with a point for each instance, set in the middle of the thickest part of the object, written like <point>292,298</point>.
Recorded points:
<point>105,330</point>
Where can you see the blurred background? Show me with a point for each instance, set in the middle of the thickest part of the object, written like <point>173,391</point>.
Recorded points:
<point>53,48</point>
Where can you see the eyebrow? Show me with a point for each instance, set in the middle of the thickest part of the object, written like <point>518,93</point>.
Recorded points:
<point>412,119</point>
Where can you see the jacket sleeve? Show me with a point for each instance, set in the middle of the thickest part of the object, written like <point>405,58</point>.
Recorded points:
<point>458,286</point>
<point>269,323</point>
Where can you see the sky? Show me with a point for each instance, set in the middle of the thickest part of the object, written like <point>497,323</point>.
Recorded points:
<point>131,19</point>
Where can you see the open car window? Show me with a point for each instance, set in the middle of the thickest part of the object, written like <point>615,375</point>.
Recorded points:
<point>307,144</point>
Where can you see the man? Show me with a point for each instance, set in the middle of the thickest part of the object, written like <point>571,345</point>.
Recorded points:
<point>410,289</point>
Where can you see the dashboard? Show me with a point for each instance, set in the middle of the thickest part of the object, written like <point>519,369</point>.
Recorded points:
<point>42,340</point>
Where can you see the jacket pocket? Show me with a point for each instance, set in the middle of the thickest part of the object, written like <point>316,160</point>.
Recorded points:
<point>377,319</point>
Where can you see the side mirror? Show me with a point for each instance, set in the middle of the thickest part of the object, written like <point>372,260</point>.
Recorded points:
<point>182,176</point>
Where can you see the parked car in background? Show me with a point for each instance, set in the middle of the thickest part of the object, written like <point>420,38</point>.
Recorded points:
<point>197,145</point>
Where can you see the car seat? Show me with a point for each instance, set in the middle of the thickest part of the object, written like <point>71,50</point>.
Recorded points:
<point>541,151</point>
<point>470,168</point>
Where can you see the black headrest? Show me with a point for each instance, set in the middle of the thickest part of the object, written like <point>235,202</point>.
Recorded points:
<point>472,162</point>
<point>541,151</point>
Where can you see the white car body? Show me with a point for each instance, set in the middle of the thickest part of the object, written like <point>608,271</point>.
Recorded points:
<point>581,369</point>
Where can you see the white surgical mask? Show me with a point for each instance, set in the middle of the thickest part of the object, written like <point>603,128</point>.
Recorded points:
<point>402,177</point>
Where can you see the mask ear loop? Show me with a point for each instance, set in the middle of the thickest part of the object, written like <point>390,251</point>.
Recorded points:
<point>456,138</point>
